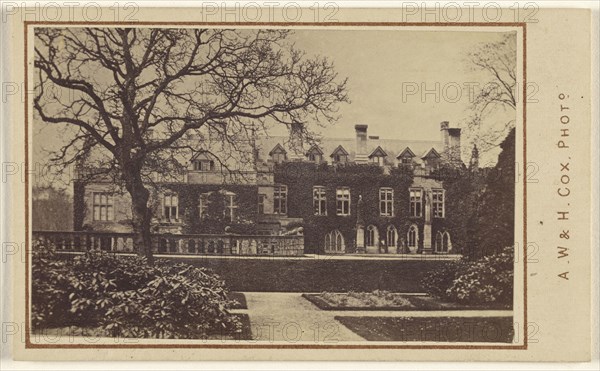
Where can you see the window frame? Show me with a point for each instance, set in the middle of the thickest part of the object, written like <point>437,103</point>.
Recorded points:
<point>280,193</point>
<point>413,210</point>
<point>438,205</point>
<point>108,205</point>
<point>204,166</point>
<point>343,197</point>
<point>378,160</point>
<point>230,205</point>
<point>171,196</point>
<point>261,203</point>
<point>319,201</point>
<point>386,203</point>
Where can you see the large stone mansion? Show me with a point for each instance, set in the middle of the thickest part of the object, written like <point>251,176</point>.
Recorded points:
<point>351,195</point>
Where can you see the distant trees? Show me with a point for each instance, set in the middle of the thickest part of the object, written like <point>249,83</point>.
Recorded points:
<point>53,209</point>
<point>498,61</point>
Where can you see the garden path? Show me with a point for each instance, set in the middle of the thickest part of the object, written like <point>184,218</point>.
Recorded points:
<point>288,317</point>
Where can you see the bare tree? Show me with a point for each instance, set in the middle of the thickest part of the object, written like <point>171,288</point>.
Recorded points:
<point>136,101</point>
<point>498,61</point>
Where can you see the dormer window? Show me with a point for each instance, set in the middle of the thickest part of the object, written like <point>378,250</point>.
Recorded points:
<point>406,157</point>
<point>378,156</point>
<point>278,154</point>
<point>204,165</point>
<point>379,160</point>
<point>315,154</point>
<point>339,155</point>
<point>431,158</point>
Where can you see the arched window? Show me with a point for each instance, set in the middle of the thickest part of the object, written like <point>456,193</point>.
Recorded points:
<point>392,236</point>
<point>191,246</point>
<point>162,247</point>
<point>438,241</point>
<point>172,245</point>
<point>446,243</point>
<point>334,242</point>
<point>371,236</point>
<point>413,236</point>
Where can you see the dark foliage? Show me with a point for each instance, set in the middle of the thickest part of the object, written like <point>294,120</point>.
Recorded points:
<point>495,218</point>
<point>362,180</point>
<point>125,296</point>
<point>216,218</point>
<point>483,281</point>
<point>316,275</point>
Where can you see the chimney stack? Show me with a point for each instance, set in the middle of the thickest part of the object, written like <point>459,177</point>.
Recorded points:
<point>444,130</point>
<point>296,147</point>
<point>361,144</point>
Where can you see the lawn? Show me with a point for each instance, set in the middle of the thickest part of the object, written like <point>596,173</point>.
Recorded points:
<point>432,329</point>
<point>384,300</point>
<point>312,275</point>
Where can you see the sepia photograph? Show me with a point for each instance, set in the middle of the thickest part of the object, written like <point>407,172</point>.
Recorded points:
<point>299,186</point>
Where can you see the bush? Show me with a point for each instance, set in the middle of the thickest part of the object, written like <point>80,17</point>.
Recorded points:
<point>484,281</point>
<point>127,297</point>
<point>437,282</point>
<point>52,278</point>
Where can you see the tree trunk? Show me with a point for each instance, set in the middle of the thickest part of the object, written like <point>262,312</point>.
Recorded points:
<point>142,216</point>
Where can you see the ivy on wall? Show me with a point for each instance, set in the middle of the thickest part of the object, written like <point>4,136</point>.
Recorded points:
<point>365,180</point>
<point>217,218</point>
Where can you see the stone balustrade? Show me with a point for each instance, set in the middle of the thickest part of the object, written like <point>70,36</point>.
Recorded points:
<point>191,244</point>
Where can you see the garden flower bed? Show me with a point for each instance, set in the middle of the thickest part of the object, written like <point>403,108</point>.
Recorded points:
<point>386,301</point>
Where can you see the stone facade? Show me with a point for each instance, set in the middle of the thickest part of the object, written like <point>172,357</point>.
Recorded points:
<point>360,195</point>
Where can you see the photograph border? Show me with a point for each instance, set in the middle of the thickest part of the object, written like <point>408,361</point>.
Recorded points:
<point>234,345</point>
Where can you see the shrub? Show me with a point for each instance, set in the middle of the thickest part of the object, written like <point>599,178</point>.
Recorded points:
<point>487,280</point>
<point>51,281</point>
<point>127,297</point>
<point>484,281</point>
<point>437,282</point>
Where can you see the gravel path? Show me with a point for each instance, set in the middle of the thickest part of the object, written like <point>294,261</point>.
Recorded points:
<point>288,317</point>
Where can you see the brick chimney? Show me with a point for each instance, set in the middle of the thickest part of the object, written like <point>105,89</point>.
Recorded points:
<point>296,150</point>
<point>361,144</point>
<point>444,130</point>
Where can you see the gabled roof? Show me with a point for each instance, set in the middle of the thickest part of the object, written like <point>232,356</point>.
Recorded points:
<point>277,149</point>
<point>378,152</point>
<point>314,149</point>
<point>339,150</point>
<point>202,156</point>
<point>406,153</point>
<point>431,153</point>
<point>332,146</point>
